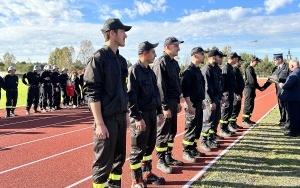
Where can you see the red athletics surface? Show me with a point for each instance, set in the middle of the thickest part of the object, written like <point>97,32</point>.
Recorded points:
<point>55,149</point>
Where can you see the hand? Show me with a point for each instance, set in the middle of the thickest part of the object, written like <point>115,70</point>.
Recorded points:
<point>203,105</point>
<point>238,98</point>
<point>101,131</point>
<point>140,125</point>
<point>56,89</point>
<point>160,119</point>
<point>167,113</point>
<point>28,85</point>
<point>179,108</point>
<point>212,106</point>
<point>127,120</point>
<point>191,110</point>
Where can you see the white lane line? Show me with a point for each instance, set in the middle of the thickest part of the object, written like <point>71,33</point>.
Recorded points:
<point>30,142</point>
<point>201,173</point>
<point>89,177</point>
<point>48,125</point>
<point>43,159</point>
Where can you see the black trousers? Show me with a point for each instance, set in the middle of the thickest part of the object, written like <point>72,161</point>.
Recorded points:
<point>250,95</point>
<point>193,127</point>
<point>33,96</point>
<point>293,109</point>
<point>284,115</point>
<point>167,131</point>
<point>110,153</point>
<point>66,98</point>
<point>47,95</point>
<point>56,97</point>
<point>11,99</point>
<point>143,142</point>
<point>217,116</point>
<point>76,98</point>
<point>236,109</point>
<point>209,117</point>
<point>226,108</point>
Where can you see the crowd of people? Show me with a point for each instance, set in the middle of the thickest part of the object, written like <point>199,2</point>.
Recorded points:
<point>45,89</point>
<point>147,99</point>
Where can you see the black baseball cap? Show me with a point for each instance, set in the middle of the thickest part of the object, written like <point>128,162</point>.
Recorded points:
<point>197,50</point>
<point>234,55</point>
<point>278,56</point>
<point>221,54</point>
<point>172,40</point>
<point>114,23</point>
<point>240,58</point>
<point>255,59</point>
<point>212,53</point>
<point>145,46</point>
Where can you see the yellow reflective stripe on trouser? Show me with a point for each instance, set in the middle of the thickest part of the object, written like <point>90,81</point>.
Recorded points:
<point>158,149</point>
<point>211,131</point>
<point>99,185</point>
<point>187,143</point>
<point>135,166</point>
<point>13,107</point>
<point>147,158</point>
<point>223,121</point>
<point>246,116</point>
<point>231,119</point>
<point>196,140</point>
<point>114,176</point>
<point>250,114</point>
<point>8,106</point>
<point>203,134</point>
<point>170,144</point>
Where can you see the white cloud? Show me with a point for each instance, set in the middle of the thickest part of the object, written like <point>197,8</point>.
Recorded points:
<point>272,5</point>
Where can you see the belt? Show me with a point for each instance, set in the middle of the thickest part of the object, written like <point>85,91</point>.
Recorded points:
<point>11,89</point>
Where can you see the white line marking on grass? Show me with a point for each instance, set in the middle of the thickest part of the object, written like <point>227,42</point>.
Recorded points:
<point>201,173</point>
<point>43,159</point>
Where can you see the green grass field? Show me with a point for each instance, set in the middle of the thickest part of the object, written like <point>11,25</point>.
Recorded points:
<point>22,92</point>
<point>263,158</point>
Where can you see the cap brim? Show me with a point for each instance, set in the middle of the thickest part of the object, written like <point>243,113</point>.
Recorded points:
<point>205,51</point>
<point>127,28</point>
<point>155,45</point>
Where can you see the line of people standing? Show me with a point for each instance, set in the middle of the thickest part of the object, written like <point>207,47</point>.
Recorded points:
<point>148,99</point>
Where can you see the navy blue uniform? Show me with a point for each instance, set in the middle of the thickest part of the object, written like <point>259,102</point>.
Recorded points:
<point>47,90</point>
<point>11,87</point>
<point>33,93</point>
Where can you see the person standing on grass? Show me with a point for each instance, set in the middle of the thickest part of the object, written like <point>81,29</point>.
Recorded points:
<point>193,94</point>
<point>105,86</point>
<point>144,110</point>
<point>167,71</point>
<point>251,85</point>
<point>291,96</point>
<point>33,93</point>
<point>11,82</point>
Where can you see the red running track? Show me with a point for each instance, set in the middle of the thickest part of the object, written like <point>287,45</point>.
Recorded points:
<point>55,149</point>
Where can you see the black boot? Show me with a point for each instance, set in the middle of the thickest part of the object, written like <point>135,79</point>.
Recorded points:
<point>171,161</point>
<point>161,163</point>
<point>224,130</point>
<point>212,141</point>
<point>149,177</point>
<point>137,180</point>
<point>246,122</point>
<point>7,112</point>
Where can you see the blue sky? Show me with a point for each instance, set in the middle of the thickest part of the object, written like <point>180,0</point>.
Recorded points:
<point>31,29</point>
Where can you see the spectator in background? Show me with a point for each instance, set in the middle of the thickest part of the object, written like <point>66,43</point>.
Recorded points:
<point>63,78</point>
<point>81,83</point>
<point>56,88</point>
<point>75,82</point>
<point>291,96</point>
<point>1,84</point>
<point>11,82</point>
<point>33,82</point>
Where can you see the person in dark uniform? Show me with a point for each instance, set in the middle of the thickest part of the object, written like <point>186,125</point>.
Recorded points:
<point>167,71</point>
<point>229,92</point>
<point>212,95</point>
<point>105,86</point>
<point>33,93</point>
<point>237,104</point>
<point>81,83</point>
<point>249,92</point>
<point>63,78</point>
<point>280,72</point>
<point>193,93</point>
<point>145,108</point>
<point>1,85</point>
<point>291,96</point>
<point>11,82</point>
<point>76,82</point>
<point>47,89</point>
<point>56,88</point>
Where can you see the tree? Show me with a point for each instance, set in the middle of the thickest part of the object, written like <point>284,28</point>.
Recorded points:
<point>8,59</point>
<point>62,57</point>
<point>86,50</point>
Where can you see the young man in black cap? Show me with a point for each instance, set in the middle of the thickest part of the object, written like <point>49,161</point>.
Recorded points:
<point>212,96</point>
<point>280,73</point>
<point>193,93</point>
<point>237,104</point>
<point>105,86</point>
<point>167,71</point>
<point>229,91</point>
<point>145,109</point>
<point>250,86</point>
